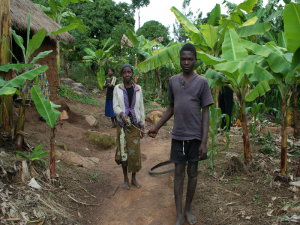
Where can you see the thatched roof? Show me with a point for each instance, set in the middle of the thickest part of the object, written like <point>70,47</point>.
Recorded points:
<point>19,10</point>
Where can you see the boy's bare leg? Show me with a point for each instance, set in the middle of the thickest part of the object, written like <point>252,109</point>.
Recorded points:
<point>126,180</point>
<point>178,191</point>
<point>134,181</point>
<point>192,172</point>
<point>113,122</point>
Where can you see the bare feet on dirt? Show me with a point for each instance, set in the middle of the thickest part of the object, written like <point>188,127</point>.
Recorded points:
<point>191,219</point>
<point>180,220</point>
<point>126,185</point>
<point>135,183</point>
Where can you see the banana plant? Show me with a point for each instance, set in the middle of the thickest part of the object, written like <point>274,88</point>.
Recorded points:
<point>284,64</point>
<point>48,111</point>
<point>98,57</point>
<point>240,69</point>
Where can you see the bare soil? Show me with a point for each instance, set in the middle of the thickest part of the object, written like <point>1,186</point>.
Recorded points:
<point>230,193</point>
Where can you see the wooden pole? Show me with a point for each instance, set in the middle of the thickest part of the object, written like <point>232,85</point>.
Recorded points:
<point>5,58</point>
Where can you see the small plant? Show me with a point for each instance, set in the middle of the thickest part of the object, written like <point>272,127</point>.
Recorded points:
<point>289,205</point>
<point>35,156</point>
<point>215,117</point>
<point>94,176</point>
<point>255,110</point>
<point>255,199</point>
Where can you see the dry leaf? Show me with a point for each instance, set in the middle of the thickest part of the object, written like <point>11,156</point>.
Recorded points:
<point>270,212</point>
<point>248,217</point>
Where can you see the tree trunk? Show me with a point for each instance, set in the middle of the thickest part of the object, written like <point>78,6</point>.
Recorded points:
<point>145,82</point>
<point>296,129</point>
<point>20,125</point>
<point>298,170</point>
<point>5,58</point>
<point>52,153</point>
<point>247,153</point>
<point>156,83</point>
<point>283,163</point>
<point>57,57</point>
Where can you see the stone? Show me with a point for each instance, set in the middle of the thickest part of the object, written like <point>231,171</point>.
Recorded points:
<point>94,159</point>
<point>66,81</point>
<point>155,104</point>
<point>104,141</point>
<point>154,116</point>
<point>80,94</point>
<point>90,120</point>
<point>81,88</point>
<point>74,159</point>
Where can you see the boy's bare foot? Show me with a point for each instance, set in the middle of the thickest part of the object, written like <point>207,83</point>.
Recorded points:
<point>135,183</point>
<point>180,220</point>
<point>125,186</point>
<point>191,219</point>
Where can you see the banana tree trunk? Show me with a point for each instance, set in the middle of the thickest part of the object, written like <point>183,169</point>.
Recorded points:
<point>156,83</point>
<point>52,153</point>
<point>20,125</point>
<point>57,57</point>
<point>298,170</point>
<point>283,162</point>
<point>296,131</point>
<point>247,153</point>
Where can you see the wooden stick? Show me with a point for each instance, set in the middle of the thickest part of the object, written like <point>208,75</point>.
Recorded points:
<point>81,202</point>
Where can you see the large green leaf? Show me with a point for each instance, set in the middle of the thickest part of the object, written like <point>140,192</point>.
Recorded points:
<point>282,41</point>
<point>209,59</point>
<point>210,35</point>
<point>89,52</point>
<point>214,78</point>
<point>7,67</point>
<point>274,48</point>
<point>255,48</point>
<point>253,58</point>
<point>247,5</point>
<point>195,34</point>
<point>19,40</point>
<point>294,66</point>
<point>231,67</point>
<point>19,80</point>
<point>255,29</point>
<point>101,77</point>
<point>99,53</point>
<point>232,49</point>
<point>274,15</point>
<point>132,37</point>
<point>262,74</point>
<point>5,91</point>
<point>72,26</point>
<point>41,55</point>
<point>44,107</point>
<point>260,89</point>
<point>167,55</point>
<point>278,64</point>
<point>291,15</point>
<point>215,15</point>
<point>35,42</point>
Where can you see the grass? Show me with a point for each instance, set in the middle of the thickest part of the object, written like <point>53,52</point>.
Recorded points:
<point>65,91</point>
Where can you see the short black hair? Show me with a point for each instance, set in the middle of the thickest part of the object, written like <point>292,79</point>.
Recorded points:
<point>126,65</point>
<point>190,48</point>
<point>112,69</point>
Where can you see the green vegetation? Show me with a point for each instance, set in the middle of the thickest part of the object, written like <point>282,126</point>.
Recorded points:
<point>35,156</point>
<point>65,91</point>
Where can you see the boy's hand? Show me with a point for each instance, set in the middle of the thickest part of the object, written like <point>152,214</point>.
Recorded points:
<point>141,133</point>
<point>152,132</point>
<point>202,151</point>
<point>124,118</point>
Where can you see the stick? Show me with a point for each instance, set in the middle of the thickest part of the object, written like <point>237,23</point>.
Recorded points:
<point>115,191</point>
<point>87,192</point>
<point>229,191</point>
<point>81,202</point>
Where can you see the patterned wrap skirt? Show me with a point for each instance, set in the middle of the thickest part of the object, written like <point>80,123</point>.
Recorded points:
<point>43,83</point>
<point>130,154</point>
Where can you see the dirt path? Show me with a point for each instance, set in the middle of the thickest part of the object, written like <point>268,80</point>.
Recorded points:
<point>151,204</point>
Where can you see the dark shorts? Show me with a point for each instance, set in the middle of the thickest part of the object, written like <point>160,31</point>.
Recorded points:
<point>190,152</point>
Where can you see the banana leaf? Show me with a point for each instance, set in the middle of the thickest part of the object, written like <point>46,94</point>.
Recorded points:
<point>215,15</point>
<point>41,55</point>
<point>255,29</point>
<point>35,42</point>
<point>7,67</point>
<point>260,89</point>
<point>44,107</point>
<point>232,49</point>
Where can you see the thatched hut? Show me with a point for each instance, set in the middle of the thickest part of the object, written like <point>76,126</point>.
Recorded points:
<point>19,10</point>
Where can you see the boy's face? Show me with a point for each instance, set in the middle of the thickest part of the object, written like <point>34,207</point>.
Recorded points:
<point>127,74</point>
<point>110,73</point>
<point>187,61</point>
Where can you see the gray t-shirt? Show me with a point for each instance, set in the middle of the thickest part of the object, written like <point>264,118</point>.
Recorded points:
<point>188,101</point>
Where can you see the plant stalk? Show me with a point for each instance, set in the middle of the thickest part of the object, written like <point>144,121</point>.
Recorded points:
<point>296,128</point>
<point>52,153</point>
<point>283,162</point>
<point>247,153</point>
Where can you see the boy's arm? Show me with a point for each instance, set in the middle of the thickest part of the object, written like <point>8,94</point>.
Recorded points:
<point>205,125</point>
<point>167,115</point>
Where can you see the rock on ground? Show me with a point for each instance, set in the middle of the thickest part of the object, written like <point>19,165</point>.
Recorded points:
<point>81,88</point>
<point>154,116</point>
<point>66,81</point>
<point>74,159</point>
<point>90,120</point>
<point>104,141</point>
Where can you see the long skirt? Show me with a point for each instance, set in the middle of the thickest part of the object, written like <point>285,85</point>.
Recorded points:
<point>132,150</point>
<point>109,111</point>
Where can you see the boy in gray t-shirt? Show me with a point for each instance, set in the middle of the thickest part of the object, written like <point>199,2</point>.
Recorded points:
<point>188,93</point>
